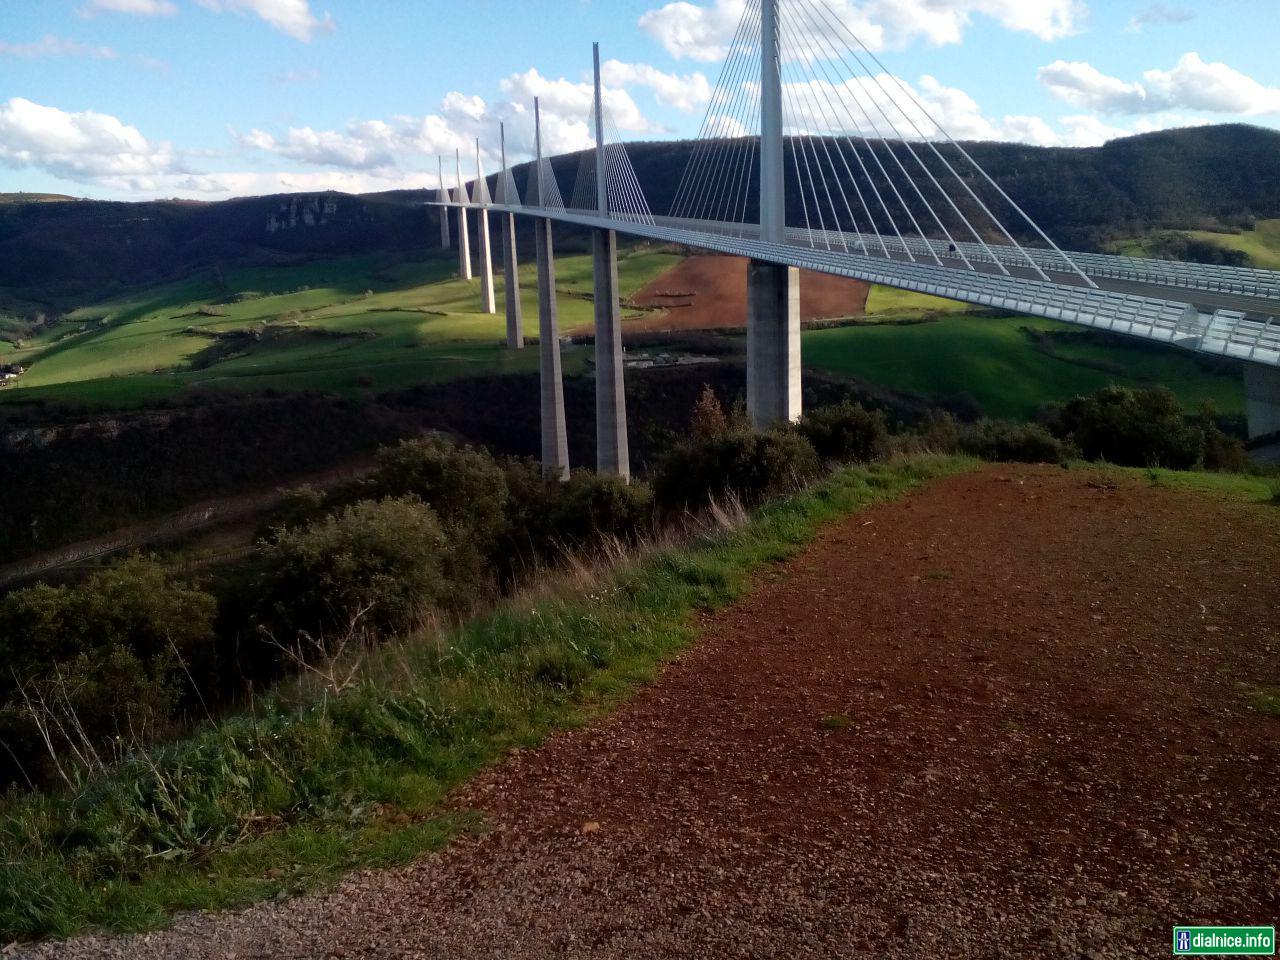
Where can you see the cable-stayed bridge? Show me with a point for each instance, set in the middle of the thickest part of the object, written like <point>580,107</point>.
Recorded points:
<point>814,156</point>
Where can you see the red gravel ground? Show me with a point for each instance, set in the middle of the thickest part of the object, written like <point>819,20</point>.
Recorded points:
<point>1007,716</point>
<point>710,293</point>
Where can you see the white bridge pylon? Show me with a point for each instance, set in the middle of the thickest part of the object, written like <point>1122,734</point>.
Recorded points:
<point>813,155</point>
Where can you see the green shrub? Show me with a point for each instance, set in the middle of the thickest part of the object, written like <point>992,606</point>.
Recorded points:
<point>298,507</point>
<point>1220,451</point>
<point>547,517</point>
<point>754,466</point>
<point>376,565</point>
<point>111,660</point>
<point>1005,441</point>
<point>846,433</point>
<point>135,604</point>
<point>1136,428</point>
<point>465,486</point>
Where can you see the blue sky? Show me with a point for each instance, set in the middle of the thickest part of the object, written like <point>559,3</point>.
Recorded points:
<point>216,98</point>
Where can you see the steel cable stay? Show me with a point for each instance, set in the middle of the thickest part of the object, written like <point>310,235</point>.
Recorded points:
<point>810,6</point>
<point>693,168</point>
<point>823,39</point>
<point>1074,267</point>
<point>738,100</point>
<point>807,88</point>
<point>797,145</point>
<point>884,143</point>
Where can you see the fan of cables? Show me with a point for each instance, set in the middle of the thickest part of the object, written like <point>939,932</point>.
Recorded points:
<point>624,198</point>
<point>869,170</point>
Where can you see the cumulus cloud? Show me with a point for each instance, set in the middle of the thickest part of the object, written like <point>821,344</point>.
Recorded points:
<point>142,8</point>
<point>704,31</point>
<point>685,93</point>
<point>365,146</point>
<point>51,46</point>
<point>399,145</point>
<point>1192,84</point>
<point>872,108</point>
<point>292,17</point>
<point>84,147</point>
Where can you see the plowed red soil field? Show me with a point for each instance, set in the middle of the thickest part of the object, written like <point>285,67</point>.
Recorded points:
<point>1007,716</point>
<point>710,293</point>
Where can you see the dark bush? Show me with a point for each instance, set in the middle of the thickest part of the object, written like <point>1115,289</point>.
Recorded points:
<point>547,517</point>
<point>1005,441</point>
<point>111,660</point>
<point>136,604</point>
<point>1220,452</point>
<point>465,486</point>
<point>1137,428</point>
<point>754,466</point>
<point>846,433</point>
<point>375,566</point>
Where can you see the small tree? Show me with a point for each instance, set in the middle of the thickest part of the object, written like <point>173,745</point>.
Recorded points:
<point>708,420</point>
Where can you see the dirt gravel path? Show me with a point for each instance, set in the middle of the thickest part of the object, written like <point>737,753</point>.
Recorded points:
<point>1007,716</point>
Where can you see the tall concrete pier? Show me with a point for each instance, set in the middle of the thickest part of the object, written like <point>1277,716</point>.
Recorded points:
<point>613,455</point>
<point>464,238</point>
<point>510,266</point>
<point>773,292</point>
<point>484,246</point>
<point>773,344</point>
<point>442,195</point>
<point>555,439</point>
<point>1262,399</point>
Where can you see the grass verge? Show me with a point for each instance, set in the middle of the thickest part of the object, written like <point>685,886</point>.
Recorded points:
<point>1266,700</point>
<point>349,767</point>
<point>1232,486</point>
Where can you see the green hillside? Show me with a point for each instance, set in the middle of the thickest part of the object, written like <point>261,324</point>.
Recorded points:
<point>1009,371</point>
<point>366,322</point>
<point>1260,245</point>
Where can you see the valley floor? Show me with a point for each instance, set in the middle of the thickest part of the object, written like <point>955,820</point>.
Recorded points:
<point>1024,712</point>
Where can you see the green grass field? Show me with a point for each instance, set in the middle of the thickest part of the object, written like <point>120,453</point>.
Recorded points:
<point>1262,244</point>
<point>336,325</point>
<point>999,365</point>
<point>378,323</point>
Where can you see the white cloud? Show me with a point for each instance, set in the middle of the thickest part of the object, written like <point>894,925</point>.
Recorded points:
<point>1085,85</point>
<point>1158,15</point>
<point>686,93</point>
<point>693,32</point>
<point>383,148</point>
<point>85,147</point>
<point>887,110</point>
<point>1191,85</point>
<point>704,31</point>
<point>366,146</point>
<point>51,46</point>
<point>142,8</point>
<point>292,17</point>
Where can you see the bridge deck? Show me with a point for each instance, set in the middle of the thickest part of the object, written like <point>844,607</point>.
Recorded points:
<point>1147,302</point>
